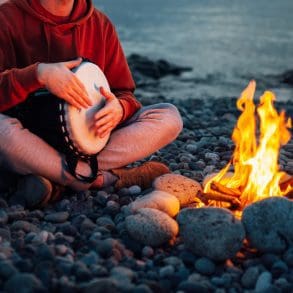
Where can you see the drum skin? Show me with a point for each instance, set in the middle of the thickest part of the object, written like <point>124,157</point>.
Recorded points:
<point>80,122</point>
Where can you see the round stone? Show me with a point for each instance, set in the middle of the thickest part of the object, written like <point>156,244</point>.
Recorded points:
<point>211,232</point>
<point>3,217</point>
<point>268,224</point>
<point>23,280</point>
<point>263,282</point>
<point>185,189</point>
<point>159,200</point>
<point>151,227</point>
<point>205,266</point>
<point>59,217</point>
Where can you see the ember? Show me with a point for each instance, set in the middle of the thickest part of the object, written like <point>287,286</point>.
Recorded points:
<point>256,173</point>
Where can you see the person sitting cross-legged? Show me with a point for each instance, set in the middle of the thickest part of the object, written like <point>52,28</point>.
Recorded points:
<point>40,44</point>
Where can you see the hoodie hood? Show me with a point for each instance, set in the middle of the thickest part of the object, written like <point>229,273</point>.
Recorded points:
<point>82,10</point>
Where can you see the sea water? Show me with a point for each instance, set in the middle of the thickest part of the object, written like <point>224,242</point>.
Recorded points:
<point>226,42</point>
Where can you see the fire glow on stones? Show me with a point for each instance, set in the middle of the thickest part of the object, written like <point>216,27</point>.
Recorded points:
<point>258,139</point>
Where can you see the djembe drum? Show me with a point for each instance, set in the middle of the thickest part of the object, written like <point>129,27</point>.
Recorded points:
<point>63,126</point>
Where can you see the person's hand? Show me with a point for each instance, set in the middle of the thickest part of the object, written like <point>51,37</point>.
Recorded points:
<point>62,82</point>
<point>109,116</point>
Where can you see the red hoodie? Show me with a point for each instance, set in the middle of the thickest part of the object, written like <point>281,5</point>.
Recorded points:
<point>29,34</point>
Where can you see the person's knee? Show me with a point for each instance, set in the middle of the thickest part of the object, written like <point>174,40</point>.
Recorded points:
<point>173,119</point>
<point>9,128</point>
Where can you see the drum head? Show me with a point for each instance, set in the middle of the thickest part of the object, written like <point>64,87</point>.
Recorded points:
<point>80,122</point>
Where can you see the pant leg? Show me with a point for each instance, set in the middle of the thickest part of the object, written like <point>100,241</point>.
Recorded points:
<point>148,130</point>
<point>25,153</point>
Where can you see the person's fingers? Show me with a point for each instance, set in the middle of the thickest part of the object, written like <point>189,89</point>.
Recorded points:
<point>103,121</point>
<point>103,131</point>
<point>70,100</point>
<point>80,90</point>
<point>108,95</point>
<point>72,63</point>
<point>101,113</point>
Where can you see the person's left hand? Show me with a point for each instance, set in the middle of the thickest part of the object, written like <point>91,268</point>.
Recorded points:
<point>109,116</point>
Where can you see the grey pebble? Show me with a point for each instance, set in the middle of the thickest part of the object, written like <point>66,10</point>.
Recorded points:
<point>106,222</point>
<point>147,251</point>
<point>134,190</point>
<point>23,280</point>
<point>263,282</point>
<point>205,266</point>
<point>250,276</point>
<point>25,226</point>
<point>166,271</point>
<point>58,217</point>
<point>279,268</point>
<point>3,217</point>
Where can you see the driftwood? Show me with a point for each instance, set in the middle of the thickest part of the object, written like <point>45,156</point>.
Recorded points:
<point>235,202</point>
<point>216,186</point>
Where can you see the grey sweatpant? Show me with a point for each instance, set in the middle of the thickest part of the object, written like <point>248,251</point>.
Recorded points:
<point>148,130</point>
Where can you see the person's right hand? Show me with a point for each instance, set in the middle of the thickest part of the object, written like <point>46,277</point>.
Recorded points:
<point>61,82</point>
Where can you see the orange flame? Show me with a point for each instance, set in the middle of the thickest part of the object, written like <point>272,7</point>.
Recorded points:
<point>255,160</point>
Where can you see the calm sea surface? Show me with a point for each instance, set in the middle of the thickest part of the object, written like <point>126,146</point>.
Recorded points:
<point>227,42</point>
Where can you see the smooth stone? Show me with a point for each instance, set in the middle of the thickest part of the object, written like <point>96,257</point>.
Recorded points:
<point>134,190</point>
<point>147,251</point>
<point>159,200</point>
<point>101,285</point>
<point>249,278</point>
<point>191,287</point>
<point>205,266</point>
<point>279,268</point>
<point>3,217</point>
<point>123,273</point>
<point>59,217</point>
<point>5,234</point>
<point>166,271</point>
<point>106,222</point>
<point>174,261</point>
<point>263,282</point>
<point>185,189</point>
<point>151,227</point>
<point>25,282</point>
<point>142,288</point>
<point>212,156</point>
<point>211,232</point>
<point>25,226</point>
<point>7,269</point>
<point>90,258</point>
<point>268,224</point>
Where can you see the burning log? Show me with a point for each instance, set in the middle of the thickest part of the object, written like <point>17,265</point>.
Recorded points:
<point>216,186</point>
<point>235,202</point>
<point>284,185</point>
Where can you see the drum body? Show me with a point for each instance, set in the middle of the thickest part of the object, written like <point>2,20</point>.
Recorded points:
<point>63,126</point>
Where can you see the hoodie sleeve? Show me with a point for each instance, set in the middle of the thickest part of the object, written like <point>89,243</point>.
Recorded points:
<point>15,83</point>
<point>118,73</point>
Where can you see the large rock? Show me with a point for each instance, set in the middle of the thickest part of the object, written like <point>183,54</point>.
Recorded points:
<point>159,200</point>
<point>151,227</point>
<point>287,77</point>
<point>268,224</point>
<point>183,188</point>
<point>211,232</point>
<point>154,69</point>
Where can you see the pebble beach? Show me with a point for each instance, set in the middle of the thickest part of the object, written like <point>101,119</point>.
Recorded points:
<point>83,242</point>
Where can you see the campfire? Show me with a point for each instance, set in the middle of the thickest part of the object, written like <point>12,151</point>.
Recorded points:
<point>253,172</point>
